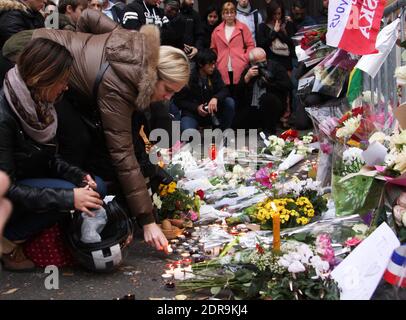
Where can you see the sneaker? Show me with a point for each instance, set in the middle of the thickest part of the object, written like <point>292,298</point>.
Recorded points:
<point>17,261</point>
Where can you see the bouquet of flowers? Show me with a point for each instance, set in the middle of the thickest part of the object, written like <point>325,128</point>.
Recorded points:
<point>175,203</point>
<point>297,273</point>
<point>328,77</point>
<point>288,141</point>
<point>297,204</point>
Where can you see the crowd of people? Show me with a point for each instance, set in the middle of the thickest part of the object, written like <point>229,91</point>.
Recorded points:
<point>74,100</point>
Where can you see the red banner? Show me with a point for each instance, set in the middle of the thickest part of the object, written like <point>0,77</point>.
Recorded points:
<point>362,27</point>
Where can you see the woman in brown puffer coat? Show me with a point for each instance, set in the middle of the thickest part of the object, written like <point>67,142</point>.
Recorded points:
<point>137,72</point>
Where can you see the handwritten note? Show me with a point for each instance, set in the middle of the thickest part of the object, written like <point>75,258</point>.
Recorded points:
<point>359,274</point>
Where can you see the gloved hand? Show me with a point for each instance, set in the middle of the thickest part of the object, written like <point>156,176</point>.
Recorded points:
<point>163,176</point>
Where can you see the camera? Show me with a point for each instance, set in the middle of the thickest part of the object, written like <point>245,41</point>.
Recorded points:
<point>214,120</point>
<point>265,76</point>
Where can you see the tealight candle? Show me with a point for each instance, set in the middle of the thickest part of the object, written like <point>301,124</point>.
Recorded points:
<point>175,241</point>
<point>181,237</point>
<point>186,262</point>
<point>185,255</point>
<point>197,229</point>
<point>170,250</point>
<point>168,280</point>
<point>194,234</point>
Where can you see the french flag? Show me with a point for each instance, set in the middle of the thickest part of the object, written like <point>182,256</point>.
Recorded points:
<point>353,25</point>
<point>395,273</point>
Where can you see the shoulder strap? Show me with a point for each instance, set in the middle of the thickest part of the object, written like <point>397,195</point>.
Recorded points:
<point>98,80</point>
<point>243,40</point>
<point>256,22</point>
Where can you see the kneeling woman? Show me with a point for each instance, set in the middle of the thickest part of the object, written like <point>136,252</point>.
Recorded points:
<point>44,188</point>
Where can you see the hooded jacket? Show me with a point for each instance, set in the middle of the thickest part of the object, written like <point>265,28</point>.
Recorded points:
<point>15,16</point>
<point>126,87</point>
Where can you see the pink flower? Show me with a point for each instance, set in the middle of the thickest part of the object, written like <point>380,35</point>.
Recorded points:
<point>262,176</point>
<point>326,148</point>
<point>353,242</point>
<point>325,249</point>
<point>193,215</point>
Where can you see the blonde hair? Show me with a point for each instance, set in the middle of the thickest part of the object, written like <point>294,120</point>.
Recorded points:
<point>173,65</point>
<point>228,6</point>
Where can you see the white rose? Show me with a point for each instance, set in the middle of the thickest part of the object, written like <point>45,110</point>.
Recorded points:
<point>400,75</point>
<point>378,137</point>
<point>400,162</point>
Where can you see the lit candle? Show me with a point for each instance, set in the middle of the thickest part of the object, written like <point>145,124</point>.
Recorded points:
<point>170,250</point>
<point>181,237</point>
<point>276,229</point>
<point>185,255</point>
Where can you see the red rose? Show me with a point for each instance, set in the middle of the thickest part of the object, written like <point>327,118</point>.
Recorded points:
<point>200,194</point>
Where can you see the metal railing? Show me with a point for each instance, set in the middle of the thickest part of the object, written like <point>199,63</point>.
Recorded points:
<point>384,84</point>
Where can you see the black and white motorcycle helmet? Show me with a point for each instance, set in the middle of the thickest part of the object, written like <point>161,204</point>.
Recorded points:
<point>108,254</point>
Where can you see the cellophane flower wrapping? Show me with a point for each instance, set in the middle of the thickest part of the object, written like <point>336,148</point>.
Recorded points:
<point>328,76</point>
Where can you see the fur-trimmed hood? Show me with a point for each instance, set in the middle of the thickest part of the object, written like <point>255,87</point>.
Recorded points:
<point>134,58</point>
<point>7,5</point>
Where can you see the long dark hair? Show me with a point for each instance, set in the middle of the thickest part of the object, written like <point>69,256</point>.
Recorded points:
<point>272,8</point>
<point>43,63</point>
<point>209,10</point>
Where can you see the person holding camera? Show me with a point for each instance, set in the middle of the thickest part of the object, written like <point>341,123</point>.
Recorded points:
<point>263,88</point>
<point>206,101</point>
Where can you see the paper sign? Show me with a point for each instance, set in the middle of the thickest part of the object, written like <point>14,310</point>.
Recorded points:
<point>400,115</point>
<point>375,154</point>
<point>359,274</point>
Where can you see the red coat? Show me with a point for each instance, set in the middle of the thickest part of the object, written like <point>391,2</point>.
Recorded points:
<point>234,48</point>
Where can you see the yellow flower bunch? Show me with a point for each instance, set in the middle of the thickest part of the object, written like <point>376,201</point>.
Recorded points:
<point>292,212</point>
<point>167,189</point>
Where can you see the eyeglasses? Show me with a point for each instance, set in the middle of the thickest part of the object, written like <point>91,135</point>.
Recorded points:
<point>229,13</point>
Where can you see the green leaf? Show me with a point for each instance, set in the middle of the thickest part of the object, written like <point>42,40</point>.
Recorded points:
<point>215,290</point>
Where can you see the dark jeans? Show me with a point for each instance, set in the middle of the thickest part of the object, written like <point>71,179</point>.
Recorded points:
<point>24,225</point>
<point>225,114</point>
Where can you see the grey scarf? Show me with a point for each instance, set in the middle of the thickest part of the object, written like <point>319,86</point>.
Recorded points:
<point>246,10</point>
<point>38,120</point>
<point>257,92</point>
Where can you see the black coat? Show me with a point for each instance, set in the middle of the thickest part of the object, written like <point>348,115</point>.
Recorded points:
<point>15,18</point>
<point>136,14</point>
<point>193,35</point>
<point>266,36</point>
<point>197,93</point>
<point>23,158</point>
<point>207,31</point>
<point>280,84</point>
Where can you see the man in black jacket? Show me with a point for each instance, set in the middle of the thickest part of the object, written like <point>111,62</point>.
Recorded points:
<point>16,16</point>
<point>141,12</point>
<point>193,36</point>
<point>206,98</point>
<point>263,87</point>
